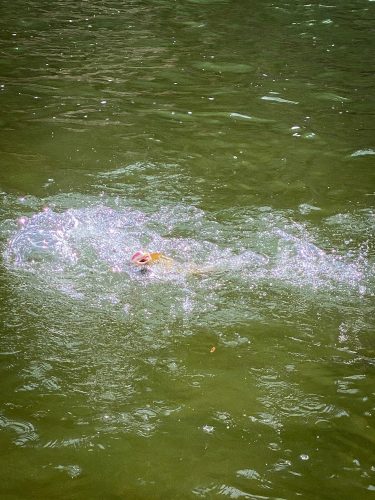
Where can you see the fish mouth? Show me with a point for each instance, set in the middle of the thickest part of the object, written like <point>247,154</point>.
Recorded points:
<point>144,260</point>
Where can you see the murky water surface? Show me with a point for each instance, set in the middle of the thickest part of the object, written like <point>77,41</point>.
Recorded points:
<point>237,138</point>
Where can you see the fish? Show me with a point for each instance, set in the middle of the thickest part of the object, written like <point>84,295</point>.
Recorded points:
<point>143,258</point>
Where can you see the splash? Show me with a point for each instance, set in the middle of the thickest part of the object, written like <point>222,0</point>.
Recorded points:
<point>226,266</point>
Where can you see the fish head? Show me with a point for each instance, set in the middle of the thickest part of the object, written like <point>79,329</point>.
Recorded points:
<point>141,258</point>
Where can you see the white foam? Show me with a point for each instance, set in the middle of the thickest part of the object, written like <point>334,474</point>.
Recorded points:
<point>230,267</point>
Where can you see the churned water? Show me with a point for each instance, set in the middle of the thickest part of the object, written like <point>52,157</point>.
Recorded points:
<point>237,139</point>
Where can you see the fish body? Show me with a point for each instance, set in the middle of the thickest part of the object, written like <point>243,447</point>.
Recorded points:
<point>144,260</point>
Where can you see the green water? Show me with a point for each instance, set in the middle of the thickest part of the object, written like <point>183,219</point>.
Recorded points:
<point>238,138</point>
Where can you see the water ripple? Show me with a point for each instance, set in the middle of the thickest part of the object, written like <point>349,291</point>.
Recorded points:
<point>25,431</point>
